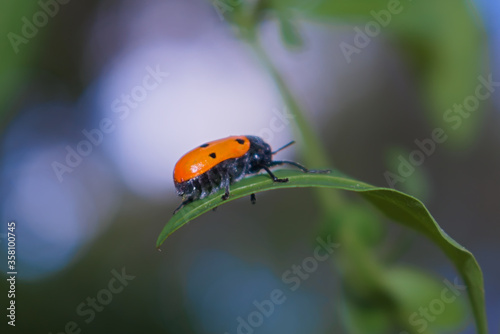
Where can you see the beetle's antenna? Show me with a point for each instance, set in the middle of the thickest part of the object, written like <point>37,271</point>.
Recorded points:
<point>282,148</point>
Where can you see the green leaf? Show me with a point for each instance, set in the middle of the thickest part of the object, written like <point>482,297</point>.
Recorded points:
<point>415,290</point>
<point>290,33</point>
<point>364,319</point>
<point>417,184</point>
<point>396,205</point>
<point>444,40</point>
<point>17,57</point>
<point>409,292</point>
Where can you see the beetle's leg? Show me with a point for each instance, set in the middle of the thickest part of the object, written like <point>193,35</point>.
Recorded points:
<point>275,179</point>
<point>253,199</point>
<point>185,202</point>
<point>225,184</point>
<point>299,166</point>
<point>226,194</point>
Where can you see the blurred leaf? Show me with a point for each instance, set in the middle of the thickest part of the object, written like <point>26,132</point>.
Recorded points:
<point>290,33</point>
<point>329,8</point>
<point>396,205</point>
<point>358,220</point>
<point>420,302</point>
<point>368,306</point>
<point>444,40</point>
<point>417,184</point>
<point>365,319</point>
<point>418,292</point>
<point>381,300</point>
<point>15,55</point>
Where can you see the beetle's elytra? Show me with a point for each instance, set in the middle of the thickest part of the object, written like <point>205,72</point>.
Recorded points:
<point>218,164</point>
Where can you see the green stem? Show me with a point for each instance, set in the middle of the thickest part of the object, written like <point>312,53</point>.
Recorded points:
<point>330,202</point>
<point>315,154</point>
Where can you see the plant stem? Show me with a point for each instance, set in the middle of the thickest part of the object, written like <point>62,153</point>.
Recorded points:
<point>315,153</point>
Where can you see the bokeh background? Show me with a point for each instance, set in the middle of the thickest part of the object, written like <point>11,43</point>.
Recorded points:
<point>158,78</point>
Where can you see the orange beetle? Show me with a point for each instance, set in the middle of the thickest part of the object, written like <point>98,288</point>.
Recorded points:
<point>218,164</point>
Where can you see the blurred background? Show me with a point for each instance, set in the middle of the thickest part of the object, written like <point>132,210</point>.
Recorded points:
<point>99,99</point>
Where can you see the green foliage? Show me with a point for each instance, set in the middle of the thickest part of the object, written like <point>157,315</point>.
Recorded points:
<point>442,42</point>
<point>14,67</point>
<point>417,184</point>
<point>396,205</point>
<point>415,289</point>
<point>410,291</point>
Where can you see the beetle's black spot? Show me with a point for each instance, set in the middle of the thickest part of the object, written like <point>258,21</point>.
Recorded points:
<point>240,141</point>
<point>212,155</point>
<point>204,145</point>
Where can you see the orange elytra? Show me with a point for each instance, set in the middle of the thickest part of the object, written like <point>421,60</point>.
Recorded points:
<point>218,164</point>
<point>208,155</point>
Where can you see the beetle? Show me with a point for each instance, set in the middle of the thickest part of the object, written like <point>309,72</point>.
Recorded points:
<point>217,164</point>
